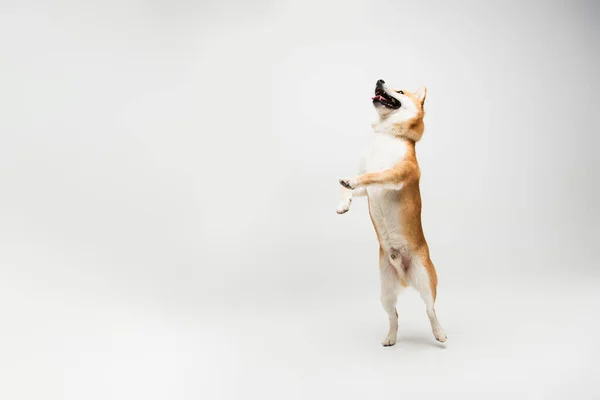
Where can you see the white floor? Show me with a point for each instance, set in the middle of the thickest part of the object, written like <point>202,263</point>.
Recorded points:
<point>530,342</point>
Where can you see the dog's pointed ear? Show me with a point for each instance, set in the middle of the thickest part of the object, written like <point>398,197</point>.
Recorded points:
<point>421,94</point>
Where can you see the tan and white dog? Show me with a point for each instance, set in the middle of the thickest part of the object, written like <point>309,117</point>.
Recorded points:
<point>389,176</point>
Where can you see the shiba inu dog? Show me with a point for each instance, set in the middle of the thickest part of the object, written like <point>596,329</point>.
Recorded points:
<point>389,176</point>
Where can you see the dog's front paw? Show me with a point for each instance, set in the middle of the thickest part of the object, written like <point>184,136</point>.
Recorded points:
<point>348,183</point>
<point>344,206</point>
<point>389,341</point>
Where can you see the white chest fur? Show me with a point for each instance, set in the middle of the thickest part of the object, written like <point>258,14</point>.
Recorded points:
<point>385,151</point>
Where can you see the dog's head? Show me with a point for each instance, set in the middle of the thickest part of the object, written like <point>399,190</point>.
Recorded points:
<point>400,111</point>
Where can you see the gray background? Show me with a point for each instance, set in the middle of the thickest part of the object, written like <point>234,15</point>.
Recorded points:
<point>168,185</point>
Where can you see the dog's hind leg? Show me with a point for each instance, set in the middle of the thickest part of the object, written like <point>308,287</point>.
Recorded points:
<point>390,287</point>
<point>422,276</point>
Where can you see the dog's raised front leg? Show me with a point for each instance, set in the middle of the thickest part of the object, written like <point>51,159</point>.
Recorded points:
<point>394,178</point>
<point>347,195</point>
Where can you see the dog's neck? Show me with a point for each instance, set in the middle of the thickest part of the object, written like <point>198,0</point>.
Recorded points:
<point>401,132</point>
<point>411,129</point>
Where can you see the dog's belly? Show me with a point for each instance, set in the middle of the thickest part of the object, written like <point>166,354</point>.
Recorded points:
<point>384,207</point>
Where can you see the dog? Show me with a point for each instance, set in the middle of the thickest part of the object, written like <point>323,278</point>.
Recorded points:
<point>389,176</point>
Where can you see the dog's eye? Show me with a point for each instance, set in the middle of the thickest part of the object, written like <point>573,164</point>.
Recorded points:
<point>400,91</point>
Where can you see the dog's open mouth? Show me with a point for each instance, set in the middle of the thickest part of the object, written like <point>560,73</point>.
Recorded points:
<point>384,99</point>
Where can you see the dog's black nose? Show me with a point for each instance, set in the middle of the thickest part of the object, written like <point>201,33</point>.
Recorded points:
<point>380,82</point>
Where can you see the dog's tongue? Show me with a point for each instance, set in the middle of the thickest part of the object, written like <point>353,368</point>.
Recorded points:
<point>378,97</point>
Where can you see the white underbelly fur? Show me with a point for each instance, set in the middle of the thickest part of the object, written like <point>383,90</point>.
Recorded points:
<point>385,151</point>
<point>385,212</point>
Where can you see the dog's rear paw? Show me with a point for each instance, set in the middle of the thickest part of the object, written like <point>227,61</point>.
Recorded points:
<point>387,342</point>
<point>439,335</point>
